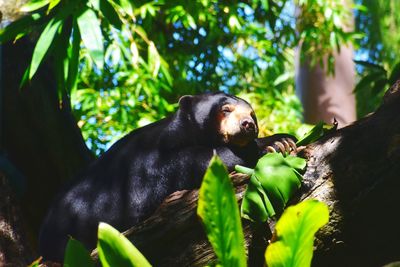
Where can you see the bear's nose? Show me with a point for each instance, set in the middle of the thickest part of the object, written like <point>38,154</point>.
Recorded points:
<point>248,125</point>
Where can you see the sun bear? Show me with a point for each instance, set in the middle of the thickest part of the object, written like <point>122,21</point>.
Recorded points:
<point>128,182</point>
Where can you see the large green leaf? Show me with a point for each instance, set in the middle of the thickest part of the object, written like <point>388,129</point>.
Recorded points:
<point>219,211</point>
<point>76,255</point>
<point>43,44</point>
<point>89,27</point>
<point>116,250</point>
<point>293,245</point>
<point>256,205</point>
<point>273,182</point>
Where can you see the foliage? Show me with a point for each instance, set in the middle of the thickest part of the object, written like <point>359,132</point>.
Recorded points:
<point>273,182</point>
<point>378,64</point>
<point>125,64</point>
<point>76,255</point>
<point>319,130</point>
<point>116,250</point>
<point>217,207</point>
<point>323,28</point>
<point>113,247</point>
<point>294,234</point>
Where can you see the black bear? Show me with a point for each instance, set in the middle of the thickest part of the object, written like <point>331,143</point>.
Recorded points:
<point>129,181</point>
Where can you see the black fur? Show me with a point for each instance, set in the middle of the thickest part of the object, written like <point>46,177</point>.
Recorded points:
<point>129,181</point>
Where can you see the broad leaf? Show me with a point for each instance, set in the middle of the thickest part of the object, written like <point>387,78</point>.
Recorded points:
<point>43,44</point>
<point>256,205</point>
<point>273,182</point>
<point>76,255</point>
<point>89,27</point>
<point>219,211</point>
<point>293,244</point>
<point>116,250</point>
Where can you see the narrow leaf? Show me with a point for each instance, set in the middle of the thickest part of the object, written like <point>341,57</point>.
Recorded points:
<point>34,5</point>
<point>43,45</point>
<point>217,207</point>
<point>154,59</point>
<point>89,27</point>
<point>116,250</point>
<point>53,4</point>
<point>76,255</point>
<point>18,27</point>
<point>293,245</point>
<point>313,135</point>
<point>74,58</point>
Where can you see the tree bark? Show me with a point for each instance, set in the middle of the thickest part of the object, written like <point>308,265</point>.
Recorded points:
<point>354,170</point>
<point>38,135</point>
<point>14,247</point>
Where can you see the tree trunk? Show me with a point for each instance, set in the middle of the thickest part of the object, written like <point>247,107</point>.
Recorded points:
<point>326,97</point>
<point>38,137</point>
<point>14,247</point>
<point>354,170</point>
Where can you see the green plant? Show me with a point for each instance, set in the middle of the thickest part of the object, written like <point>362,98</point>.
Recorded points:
<point>292,245</point>
<point>114,249</point>
<point>220,214</point>
<point>217,207</point>
<point>273,182</point>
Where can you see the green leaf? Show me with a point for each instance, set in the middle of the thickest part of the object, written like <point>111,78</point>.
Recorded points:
<point>116,250</point>
<point>366,82</point>
<point>76,255</point>
<point>110,14</point>
<point>279,178</point>
<point>89,27</point>
<point>313,135</point>
<point>395,74</point>
<point>53,4</point>
<point>154,59</point>
<point>18,27</point>
<point>256,205</point>
<point>217,207</point>
<point>43,44</point>
<point>34,5</point>
<point>293,245</point>
<point>74,58</point>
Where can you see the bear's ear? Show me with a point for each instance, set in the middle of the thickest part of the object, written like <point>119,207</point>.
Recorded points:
<point>185,102</point>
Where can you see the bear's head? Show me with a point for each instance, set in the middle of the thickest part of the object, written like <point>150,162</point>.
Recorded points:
<point>222,118</point>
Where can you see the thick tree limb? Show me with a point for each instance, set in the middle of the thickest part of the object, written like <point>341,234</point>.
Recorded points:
<point>355,170</point>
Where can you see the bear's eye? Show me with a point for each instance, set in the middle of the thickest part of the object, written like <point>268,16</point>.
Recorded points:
<point>226,109</point>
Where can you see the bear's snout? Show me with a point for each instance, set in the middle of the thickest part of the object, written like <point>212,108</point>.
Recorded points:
<point>247,125</point>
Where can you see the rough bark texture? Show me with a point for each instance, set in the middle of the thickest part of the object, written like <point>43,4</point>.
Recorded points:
<point>355,170</point>
<point>14,248</point>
